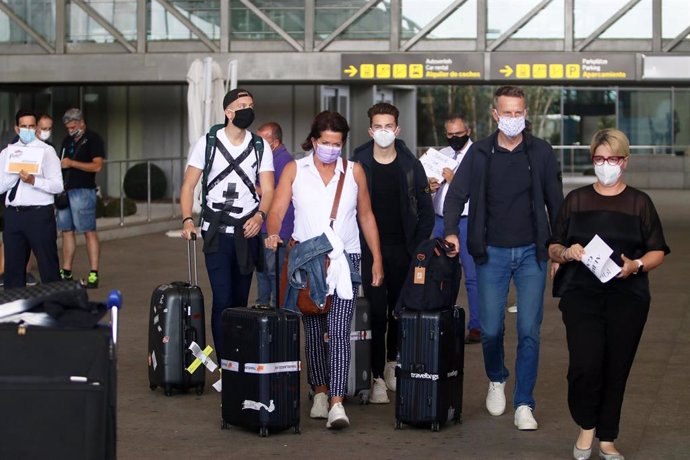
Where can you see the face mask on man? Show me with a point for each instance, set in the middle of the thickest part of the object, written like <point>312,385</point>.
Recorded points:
<point>458,142</point>
<point>511,126</point>
<point>608,174</point>
<point>76,133</point>
<point>26,135</point>
<point>384,138</point>
<point>44,135</point>
<point>327,153</point>
<point>243,118</point>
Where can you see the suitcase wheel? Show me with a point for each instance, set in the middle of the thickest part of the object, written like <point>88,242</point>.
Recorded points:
<point>224,425</point>
<point>153,386</point>
<point>199,390</point>
<point>168,390</point>
<point>435,426</point>
<point>263,432</point>
<point>364,397</point>
<point>398,424</point>
<point>295,429</point>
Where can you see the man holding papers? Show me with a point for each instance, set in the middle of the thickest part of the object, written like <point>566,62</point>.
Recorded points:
<point>607,237</point>
<point>459,142</point>
<point>30,174</point>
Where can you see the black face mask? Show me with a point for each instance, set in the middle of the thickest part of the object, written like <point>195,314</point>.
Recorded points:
<point>243,118</point>
<point>457,143</point>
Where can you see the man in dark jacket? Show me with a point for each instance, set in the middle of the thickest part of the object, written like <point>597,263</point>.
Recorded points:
<point>404,216</point>
<point>514,186</point>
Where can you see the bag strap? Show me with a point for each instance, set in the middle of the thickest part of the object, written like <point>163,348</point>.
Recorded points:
<point>209,154</point>
<point>338,193</point>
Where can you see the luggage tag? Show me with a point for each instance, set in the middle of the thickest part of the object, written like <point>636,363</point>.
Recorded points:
<point>420,272</point>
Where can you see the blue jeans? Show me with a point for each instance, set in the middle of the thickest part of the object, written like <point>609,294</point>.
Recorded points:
<point>266,281</point>
<point>468,269</point>
<point>529,275</point>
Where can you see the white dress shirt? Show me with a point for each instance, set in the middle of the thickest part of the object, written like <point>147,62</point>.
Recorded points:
<point>46,185</point>
<point>440,195</point>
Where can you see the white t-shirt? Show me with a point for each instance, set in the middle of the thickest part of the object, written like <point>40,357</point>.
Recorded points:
<point>230,194</point>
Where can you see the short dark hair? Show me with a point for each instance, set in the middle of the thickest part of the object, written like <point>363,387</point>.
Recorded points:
<point>276,130</point>
<point>21,113</point>
<point>458,116</point>
<point>326,121</point>
<point>44,115</point>
<point>383,108</point>
<point>510,91</point>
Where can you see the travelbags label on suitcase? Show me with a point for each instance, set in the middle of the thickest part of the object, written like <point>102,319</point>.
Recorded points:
<point>430,375</point>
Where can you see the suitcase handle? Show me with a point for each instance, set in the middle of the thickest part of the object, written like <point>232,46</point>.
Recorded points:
<point>277,264</point>
<point>114,303</point>
<point>191,261</point>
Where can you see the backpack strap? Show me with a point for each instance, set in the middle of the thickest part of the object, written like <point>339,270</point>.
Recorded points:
<point>211,139</point>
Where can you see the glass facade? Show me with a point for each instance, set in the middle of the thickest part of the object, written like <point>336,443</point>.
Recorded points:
<point>374,24</point>
<point>286,14</point>
<point>163,25</point>
<point>416,14</point>
<point>83,28</point>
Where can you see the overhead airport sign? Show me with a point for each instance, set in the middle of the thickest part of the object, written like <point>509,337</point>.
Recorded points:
<point>413,66</point>
<point>666,68</point>
<point>562,66</point>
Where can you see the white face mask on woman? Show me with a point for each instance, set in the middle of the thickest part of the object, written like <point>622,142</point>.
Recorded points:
<point>608,174</point>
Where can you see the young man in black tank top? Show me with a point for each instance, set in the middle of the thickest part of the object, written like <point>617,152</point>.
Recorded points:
<point>395,179</point>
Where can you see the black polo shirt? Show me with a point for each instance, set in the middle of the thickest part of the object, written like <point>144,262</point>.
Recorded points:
<point>88,147</point>
<point>510,222</point>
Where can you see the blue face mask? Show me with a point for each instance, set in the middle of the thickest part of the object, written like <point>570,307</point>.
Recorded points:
<point>27,135</point>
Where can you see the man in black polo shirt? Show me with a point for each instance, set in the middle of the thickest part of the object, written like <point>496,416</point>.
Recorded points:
<point>513,183</point>
<point>81,156</point>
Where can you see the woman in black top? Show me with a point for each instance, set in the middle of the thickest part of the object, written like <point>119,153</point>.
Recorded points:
<point>604,321</point>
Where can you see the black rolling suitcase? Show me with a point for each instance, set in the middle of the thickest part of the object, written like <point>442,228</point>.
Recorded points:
<point>176,319</point>
<point>430,375</point>
<point>261,368</point>
<point>58,389</point>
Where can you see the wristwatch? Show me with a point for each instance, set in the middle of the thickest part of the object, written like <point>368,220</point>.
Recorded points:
<point>640,266</point>
<point>262,214</point>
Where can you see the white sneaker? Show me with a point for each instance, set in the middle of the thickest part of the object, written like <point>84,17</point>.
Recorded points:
<point>319,408</point>
<point>389,375</point>
<point>524,420</point>
<point>378,392</point>
<point>496,398</point>
<point>337,417</point>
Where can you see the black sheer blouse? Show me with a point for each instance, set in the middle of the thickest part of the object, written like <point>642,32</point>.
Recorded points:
<point>627,222</point>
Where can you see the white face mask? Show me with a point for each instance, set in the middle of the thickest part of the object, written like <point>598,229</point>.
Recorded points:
<point>607,174</point>
<point>44,135</point>
<point>511,126</point>
<point>384,138</point>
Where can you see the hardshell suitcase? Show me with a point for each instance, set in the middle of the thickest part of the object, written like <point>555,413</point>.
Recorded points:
<point>176,319</point>
<point>58,391</point>
<point>261,369</point>
<point>430,375</point>
<point>359,375</point>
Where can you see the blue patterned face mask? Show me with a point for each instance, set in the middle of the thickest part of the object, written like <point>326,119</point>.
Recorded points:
<point>511,126</point>
<point>27,135</point>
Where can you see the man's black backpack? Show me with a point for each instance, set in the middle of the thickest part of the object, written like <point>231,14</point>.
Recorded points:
<point>433,280</point>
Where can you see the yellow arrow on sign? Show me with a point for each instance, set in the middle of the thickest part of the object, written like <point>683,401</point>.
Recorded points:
<point>351,71</point>
<point>507,71</point>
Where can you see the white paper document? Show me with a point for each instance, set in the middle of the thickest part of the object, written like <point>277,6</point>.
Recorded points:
<point>22,157</point>
<point>598,259</point>
<point>434,162</point>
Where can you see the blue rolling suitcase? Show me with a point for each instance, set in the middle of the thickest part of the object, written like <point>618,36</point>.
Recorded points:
<point>430,375</point>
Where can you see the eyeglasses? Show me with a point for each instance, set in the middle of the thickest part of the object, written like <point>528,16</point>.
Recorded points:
<point>613,161</point>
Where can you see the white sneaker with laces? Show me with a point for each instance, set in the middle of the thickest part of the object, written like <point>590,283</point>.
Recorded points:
<point>378,392</point>
<point>337,417</point>
<point>524,420</point>
<point>496,398</point>
<point>319,408</point>
<point>389,375</point>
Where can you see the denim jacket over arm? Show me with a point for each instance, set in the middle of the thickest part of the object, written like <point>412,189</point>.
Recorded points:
<point>306,261</point>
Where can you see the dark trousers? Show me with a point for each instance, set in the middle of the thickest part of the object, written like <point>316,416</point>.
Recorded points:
<point>382,299</point>
<point>603,333</point>
<point>30,228</point>
<point>230,287</point>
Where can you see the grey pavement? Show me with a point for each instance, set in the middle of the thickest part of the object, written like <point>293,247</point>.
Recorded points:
<point>655,423</point>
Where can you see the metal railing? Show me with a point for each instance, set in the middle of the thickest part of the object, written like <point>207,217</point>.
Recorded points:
<point>123,167</point>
